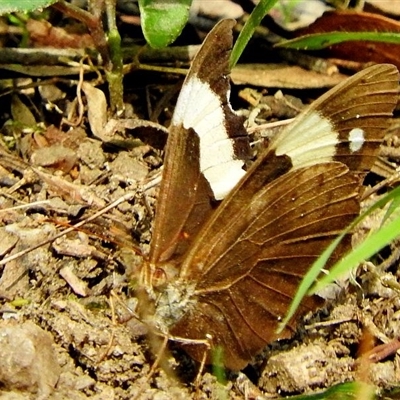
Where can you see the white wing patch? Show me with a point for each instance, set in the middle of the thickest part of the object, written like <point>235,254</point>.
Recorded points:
<point>308,141</point>
<point>356,139</point>
<point>199,108</point>
<point>224,177</point>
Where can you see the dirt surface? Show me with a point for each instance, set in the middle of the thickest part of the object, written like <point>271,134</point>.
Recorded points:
<point>69,328</point>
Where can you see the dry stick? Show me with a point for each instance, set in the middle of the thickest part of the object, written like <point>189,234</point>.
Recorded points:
<point>385,183</point>
<point>127,197</point>
<point>44,56</point>
<point>93,23</point>
<point>382,351</point>
<point>111,341</point>
<point>160,354</point>
<point>270,125</point>
<point>81,107</point>
<point>35,203</point>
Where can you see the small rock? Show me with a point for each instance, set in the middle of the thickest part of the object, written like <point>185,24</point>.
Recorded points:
<point>127,168</point>
<point>28,361</point>
<point>91,153</point>
<point>56,156</point>
<point>8,241</point>
<point>305,367</point>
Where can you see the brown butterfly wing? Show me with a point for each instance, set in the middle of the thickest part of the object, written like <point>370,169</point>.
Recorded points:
<point>248,286</point>
<point>331,127</point>
<point>185,198</point>
<point>317,145</point>
<point>250,256</point>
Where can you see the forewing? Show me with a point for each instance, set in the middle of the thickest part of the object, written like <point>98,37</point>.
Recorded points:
<point>346,124</point>
<point>204,151</point>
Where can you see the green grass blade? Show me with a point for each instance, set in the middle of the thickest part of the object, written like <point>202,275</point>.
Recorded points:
<point>364,251</point>
<point>322,40</point>
<point>255,18</point>
<point>393,207</point>
<point>379,240</point>
<point>342,391</point>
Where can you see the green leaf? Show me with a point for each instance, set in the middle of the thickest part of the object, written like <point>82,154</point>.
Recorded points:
<point>163,20</point>
<point>8,6</point>
<point>321,40</point>
<point>342,391</point>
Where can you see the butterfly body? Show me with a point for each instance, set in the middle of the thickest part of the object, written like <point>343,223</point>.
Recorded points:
<point>232,270</point>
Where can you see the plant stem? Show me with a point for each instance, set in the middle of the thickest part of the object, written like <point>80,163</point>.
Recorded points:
<point>108,45</point>
<point>93,24</point>
<point>114,75</point>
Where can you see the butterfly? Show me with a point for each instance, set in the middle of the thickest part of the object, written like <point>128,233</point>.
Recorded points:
<point>232,245</point>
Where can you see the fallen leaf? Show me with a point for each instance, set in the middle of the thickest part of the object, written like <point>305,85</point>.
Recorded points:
<point>97,109</point>
<point>362,51</point>
<point>282,76</point>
